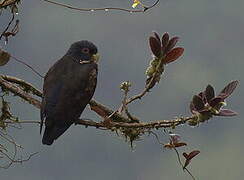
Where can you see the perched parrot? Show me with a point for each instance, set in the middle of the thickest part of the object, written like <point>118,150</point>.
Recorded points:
<point>68,87</point>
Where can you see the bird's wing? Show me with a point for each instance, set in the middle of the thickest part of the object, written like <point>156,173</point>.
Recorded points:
<point>67,89</point>
<point>51,90</point>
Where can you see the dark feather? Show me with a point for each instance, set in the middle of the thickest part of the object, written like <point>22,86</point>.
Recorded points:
<point>68,88</point>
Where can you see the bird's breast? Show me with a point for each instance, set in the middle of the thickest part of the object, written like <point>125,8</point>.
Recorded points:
<point>92,81</point>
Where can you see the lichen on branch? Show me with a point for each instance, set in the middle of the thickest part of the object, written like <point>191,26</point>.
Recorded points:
<point>8,83</point>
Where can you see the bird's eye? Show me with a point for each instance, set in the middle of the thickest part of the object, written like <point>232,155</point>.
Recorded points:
<point>85,50</point>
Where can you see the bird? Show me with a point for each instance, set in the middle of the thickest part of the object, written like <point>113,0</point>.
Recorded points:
<point>68,87</point>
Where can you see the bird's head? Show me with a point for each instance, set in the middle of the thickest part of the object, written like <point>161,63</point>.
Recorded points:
<point>83,51</point>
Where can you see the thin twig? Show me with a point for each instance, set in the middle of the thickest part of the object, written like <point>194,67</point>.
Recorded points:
<point>145,8</point>
<point>156,136</point>
<point>179,160</point>
<point>13,160</point>
<point>10,139</point>
<point>130,116</point>
<point>189,172</point>
<point>22,62</point>
<point>7,27</point>
<point>23,122</point>
<point>5,152</point>
<point>148,86</point>
<point>178,157</point>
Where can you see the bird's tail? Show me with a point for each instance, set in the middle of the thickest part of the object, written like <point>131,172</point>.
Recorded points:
<point>53,132</point>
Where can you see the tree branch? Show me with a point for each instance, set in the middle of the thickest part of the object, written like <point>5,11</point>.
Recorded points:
<point>117,120</point>
<point>5,3</point>
<point>22,83</point>
<point>149,85</point>
<point>145,8</point>
<point>19,92</point>
<point>7,27</point>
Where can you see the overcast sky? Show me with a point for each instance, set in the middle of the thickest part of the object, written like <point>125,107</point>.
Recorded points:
<point>211,33</point>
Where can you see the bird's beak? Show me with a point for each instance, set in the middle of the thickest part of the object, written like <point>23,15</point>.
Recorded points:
<point>95,58</point>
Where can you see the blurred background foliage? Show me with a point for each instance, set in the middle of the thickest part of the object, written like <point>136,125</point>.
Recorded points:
<point>211,33</point>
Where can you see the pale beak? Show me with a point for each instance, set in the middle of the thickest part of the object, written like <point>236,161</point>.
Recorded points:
<point>95,57</point>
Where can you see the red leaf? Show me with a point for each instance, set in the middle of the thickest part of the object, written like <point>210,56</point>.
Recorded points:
<point>209,93</point>
<point>157,37</point>
<point>187,162</point>
<point>168,145</point>
<point>165,40</point>
<point>215,101</point>
<point>155,46</point>
<point>180,144</point>
<point>171,44</point>
<point>202,95</point>
<point>174,54</point>
<point>192,108</point>
<point>175,138</point>
<point>189,157</point>
<point>171,146</point>
<point>185,155</point>
<point>198,103</point>
<point>226,112</point>
<point>228,90</point>
<point>193,154</point>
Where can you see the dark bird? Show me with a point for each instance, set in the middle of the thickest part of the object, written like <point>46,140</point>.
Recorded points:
<point>68,87</point>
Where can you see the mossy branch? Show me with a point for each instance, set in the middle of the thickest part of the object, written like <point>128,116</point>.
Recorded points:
<point>18,87</point>
<point>6,3</point>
